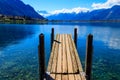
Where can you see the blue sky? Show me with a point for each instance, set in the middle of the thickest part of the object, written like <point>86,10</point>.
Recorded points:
<point>51,5</point>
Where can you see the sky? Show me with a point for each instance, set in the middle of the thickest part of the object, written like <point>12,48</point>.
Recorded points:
<point>51,5</point>
<point>57,6</point>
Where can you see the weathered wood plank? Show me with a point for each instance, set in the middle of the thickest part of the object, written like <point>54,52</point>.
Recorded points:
<point>52,77</point>
<point>58,77</point>
<point>69,60</point>
<point>54,64</point>
<point>75,67</point>
<point>77,77</point>
<point>76,55</point>
<point>64,61</point>
<point>82,74</point>
<point>51,55</point>
<point>65,77</point>
<point>59,60</point>
<point>71,77</point>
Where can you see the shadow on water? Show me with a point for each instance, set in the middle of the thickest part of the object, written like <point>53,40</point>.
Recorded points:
<point>16,57</point>
<point>12,34</point>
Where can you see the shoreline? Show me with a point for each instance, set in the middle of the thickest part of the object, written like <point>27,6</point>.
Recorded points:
<point>36,21</point>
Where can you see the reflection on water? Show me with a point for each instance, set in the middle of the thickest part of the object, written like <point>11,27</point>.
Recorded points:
<point>19,43</point>
<point>11,34</point>
<point>114,41</point>
<point>109,36</point>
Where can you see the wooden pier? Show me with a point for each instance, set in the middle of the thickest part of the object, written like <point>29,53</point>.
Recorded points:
<point>64,62</point>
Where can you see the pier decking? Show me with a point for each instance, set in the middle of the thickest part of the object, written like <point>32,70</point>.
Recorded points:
<point>64,62</point>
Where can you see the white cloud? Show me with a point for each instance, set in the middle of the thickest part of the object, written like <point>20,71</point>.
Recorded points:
<point>73,10</point>
<point>107,4</point>
<point>43,13</point>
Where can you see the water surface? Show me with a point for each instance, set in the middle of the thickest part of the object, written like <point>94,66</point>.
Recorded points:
<point>19,43</point>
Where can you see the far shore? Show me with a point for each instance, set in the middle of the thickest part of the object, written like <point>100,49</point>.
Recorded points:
<point>38,21</point>
<point>84,20</point>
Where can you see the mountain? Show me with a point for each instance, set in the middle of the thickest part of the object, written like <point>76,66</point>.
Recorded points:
<point>17,8</point>
<point>43,12</point>
<point>112,13</point>
<point>106,14</point>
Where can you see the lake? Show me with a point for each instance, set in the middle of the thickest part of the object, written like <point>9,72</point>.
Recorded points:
<point>19,45</point>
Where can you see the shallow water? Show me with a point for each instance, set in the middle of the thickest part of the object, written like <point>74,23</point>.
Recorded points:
<point>19,43</point>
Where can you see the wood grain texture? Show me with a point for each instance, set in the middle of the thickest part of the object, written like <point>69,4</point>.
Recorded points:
<point>76,55</point>
<point>64,62</point>
<point>69,59</point>
<point>54,64</point>
<point>59,60</point>
<point>75,67</point>
<point>51,56</point>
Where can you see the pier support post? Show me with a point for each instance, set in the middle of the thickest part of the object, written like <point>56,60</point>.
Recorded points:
<point>75,37</point>
<point>41,54</point>
<point>52,37</point>
<point>89,52</point>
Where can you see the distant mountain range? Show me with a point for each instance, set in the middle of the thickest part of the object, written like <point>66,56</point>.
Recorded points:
<point>17,8</point>
<point>112,13</point>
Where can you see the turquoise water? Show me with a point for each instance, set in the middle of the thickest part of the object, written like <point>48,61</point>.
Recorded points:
<point>19,43</point>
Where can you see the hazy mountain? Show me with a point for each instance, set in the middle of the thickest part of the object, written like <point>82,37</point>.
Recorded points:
<point>100,14</point>
<point>17,8</point>
<point>43,13</point>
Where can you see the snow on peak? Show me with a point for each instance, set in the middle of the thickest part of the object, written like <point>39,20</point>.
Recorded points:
<point>73,10</point>
<point>107,4</point>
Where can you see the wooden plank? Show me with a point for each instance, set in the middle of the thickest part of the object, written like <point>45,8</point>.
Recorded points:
<point>59,60</point>
<point>69,60</point>
<point>82,74</point>
<point>58,77</point>
<point>51,56</point>
<point>52,77</point>
<point>65,77</point>
<point>76,55</point>
<point>77,77</point>
<point>71,77</point>
<point>64,61</point>
<point>54,64</point>
<point>74,62</point>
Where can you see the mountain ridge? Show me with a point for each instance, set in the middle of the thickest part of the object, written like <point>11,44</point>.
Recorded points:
<point>100,14</point>
<point>18,8</point>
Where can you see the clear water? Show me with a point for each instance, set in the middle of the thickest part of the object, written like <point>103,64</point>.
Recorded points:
<point>19,45</point>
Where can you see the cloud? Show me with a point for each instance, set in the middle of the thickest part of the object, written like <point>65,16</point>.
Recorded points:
<point>73,10</point>
<point>107,4</point>
<point>44,13</point>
